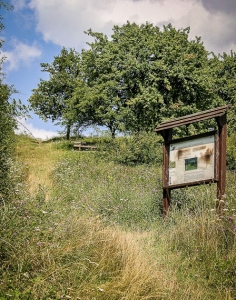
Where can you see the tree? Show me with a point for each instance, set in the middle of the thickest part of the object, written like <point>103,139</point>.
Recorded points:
<point>133,80</point>
<point>52,98</point>
<point>142,76</point>
<point>100,99</point>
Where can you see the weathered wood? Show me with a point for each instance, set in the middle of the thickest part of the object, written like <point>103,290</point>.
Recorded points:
<point>81,146</point>
<point>193,118</point>
<point>167,135</point>
<point>221,121</point>
<point>166,201</point>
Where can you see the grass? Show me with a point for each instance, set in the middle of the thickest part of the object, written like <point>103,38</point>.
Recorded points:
<point>38,159</point>
<point>80,227</point>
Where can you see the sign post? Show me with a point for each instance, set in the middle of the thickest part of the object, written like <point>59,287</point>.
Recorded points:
<point>194,160</point>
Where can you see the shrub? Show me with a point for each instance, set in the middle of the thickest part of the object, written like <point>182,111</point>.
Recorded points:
<point>6,142</point>
<point>231,153</point>
<point>144,148</point>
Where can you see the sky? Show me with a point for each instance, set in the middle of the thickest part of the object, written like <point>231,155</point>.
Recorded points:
<point>36,30</point>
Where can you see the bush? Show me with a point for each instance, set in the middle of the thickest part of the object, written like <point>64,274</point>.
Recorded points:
<point>144,148</point>
<point>231,153</point>
<point>6,141</point>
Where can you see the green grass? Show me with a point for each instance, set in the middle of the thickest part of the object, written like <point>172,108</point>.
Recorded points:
<point>81,227</point>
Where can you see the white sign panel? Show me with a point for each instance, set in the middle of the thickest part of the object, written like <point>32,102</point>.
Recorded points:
<point>192,160</point>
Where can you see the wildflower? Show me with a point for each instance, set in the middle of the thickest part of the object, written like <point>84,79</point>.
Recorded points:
<point>26,274</point>
<point>231,219</point>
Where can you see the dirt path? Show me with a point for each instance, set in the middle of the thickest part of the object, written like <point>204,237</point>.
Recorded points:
<point>39,159</point>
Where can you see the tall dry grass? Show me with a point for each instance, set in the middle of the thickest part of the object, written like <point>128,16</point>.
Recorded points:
<point>38,159</point>
<point>51,249</point>
<point>79,258</point>
<point>91,229</point>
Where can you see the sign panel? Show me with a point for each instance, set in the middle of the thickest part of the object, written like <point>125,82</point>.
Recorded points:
<point>192,160</point>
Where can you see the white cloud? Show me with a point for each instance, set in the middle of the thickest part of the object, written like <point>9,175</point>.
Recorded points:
<point>63,22</point>
<point>217,30</point>
<point>29,129</point>
<point>20,54</point>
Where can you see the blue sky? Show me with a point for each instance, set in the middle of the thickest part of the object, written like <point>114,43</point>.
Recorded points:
<point>36,30</point>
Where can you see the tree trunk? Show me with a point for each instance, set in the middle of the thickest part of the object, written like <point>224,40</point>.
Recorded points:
<point>112,130</point>
<point>113,133</point>
<point>68,132</point>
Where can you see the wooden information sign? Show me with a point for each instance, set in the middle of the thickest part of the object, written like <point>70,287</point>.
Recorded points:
<point>196,159</point>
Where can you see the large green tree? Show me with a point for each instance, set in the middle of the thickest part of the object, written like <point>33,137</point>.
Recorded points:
<point>52,98</point>
<point>143,75</point>
<point>133,80</point>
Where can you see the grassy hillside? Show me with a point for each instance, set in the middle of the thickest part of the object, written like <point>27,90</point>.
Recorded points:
<point>82,227</point>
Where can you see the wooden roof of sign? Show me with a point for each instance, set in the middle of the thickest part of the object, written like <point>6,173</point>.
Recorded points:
<point>193,118</point>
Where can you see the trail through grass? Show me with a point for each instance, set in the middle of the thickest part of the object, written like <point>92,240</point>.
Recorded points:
<point>92,229</point>
<point>39,158</point>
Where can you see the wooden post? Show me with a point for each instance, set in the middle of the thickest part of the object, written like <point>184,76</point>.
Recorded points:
<point>167,135</point>
<point>221,121</point>
<point>166,201</point>
<point>221,184</point>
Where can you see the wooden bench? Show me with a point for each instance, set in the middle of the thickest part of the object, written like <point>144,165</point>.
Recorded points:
<point>83,146</point>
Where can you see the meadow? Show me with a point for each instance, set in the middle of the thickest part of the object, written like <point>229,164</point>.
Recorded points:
<point>88,225</point>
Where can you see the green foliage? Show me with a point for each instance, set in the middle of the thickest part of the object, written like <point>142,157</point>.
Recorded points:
<point>63,145</point>
<point>144,148</point>
<point>7,113</point>
<point>6,139</point>
<point>225,84</point>
<point>143,76</point>
<point>51,99</point>
<point>133,80</point>
<point>231,153</point>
